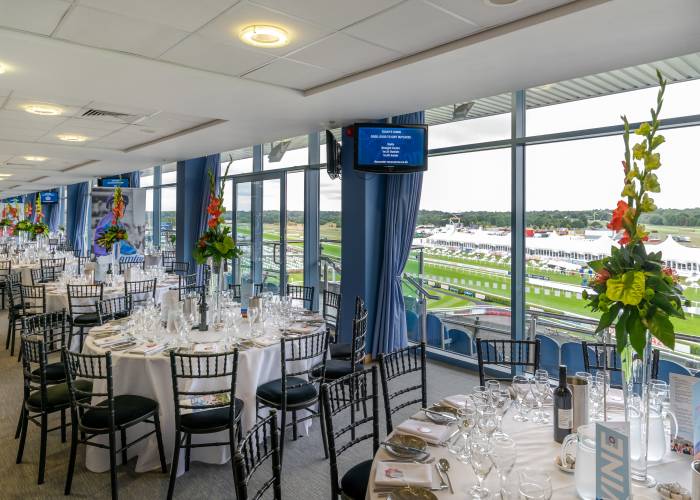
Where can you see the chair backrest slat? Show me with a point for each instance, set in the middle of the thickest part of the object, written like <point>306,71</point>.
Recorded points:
<point>260,444</point>
<point>507,353</point>
<point>399,365</point>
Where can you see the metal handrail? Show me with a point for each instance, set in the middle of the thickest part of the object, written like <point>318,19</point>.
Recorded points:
<point>419,288</point>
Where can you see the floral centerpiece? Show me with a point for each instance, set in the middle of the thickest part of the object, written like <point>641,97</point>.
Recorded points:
<point>116,232</point>
<point>635,292</point>
<point>39,228</point>
<point>24,225</point>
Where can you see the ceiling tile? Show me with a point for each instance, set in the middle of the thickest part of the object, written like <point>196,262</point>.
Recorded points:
<point>12,133</point>
<point>226,28</point>
<point>90,128</point>
<point>202,53</point>
<point>37,16</point>
<point>186,15</point>
<point>333,14</point>
<point>125,138</point>
<point>292,74</point>
<point>166,123</point>
<point>28,121</point>
<point>487,15</point>
<point>118,32</point>
<point>412,27</point>
<point>343,53</point>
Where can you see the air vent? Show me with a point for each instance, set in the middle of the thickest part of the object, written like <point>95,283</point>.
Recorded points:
<point>103,114</point>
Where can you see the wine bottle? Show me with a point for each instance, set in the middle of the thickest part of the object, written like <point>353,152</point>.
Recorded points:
<point>563,409</point>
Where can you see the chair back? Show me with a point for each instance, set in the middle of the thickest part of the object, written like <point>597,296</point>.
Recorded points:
<point>599,356</point>
<point>82,298</point>
<point>358,344</point>
<point>305,294</point>
<point>507,353</point>
<point>114,308</point>
<point>400,364</point>
<point>217,371</point>
<point>346,400</point>
<point>259,445</point>
<point>661,369</point>
<point>5,268</point>
<point>51,327</point>
<point>460,341</point>
<point>179,268</point>
<point>13,289</point>
<point>310,350</point>
<point>57,265</point>
<point>93,368</point>
<point>235,291</point>
<point>34,363</point>
<point>81,263</point>
<point>187,283</point>
<point>167,257</point>
<point>33,299</point>
<point>435,330</point>
<point>412,328</point>
<point>331,310</point>
<point>53,244</point>
<point>140,291</point>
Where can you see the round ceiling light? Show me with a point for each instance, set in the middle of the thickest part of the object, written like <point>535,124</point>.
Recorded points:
<point>72,137</point>
<point>260,35</point>
<point>43,109</point>
<point>500,3</point>
<point>3,68</point>
<point>35,158</point>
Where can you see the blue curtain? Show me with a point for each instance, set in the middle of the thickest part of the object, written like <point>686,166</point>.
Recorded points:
<point>134,178</point>
<point>78,204</point>
<point>53,213</point>
<point>402,203</point>
<point>31,200</point>
<point>211,165</point>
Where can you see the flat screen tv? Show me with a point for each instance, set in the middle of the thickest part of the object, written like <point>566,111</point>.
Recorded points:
<point>391,149</point>
<point>49,197</point>
<point>112,182</point>
<point>332,156</point>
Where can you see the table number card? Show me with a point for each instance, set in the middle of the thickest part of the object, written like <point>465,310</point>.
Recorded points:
<point>612,462</point>
<point>683,389</point>
<point>696,420</point>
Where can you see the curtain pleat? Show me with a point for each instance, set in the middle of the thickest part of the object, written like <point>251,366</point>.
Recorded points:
<point>212,165</point>
<point>78,204</point>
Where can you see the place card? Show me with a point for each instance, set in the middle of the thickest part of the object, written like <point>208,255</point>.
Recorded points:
<point>612,461</point>
<point>402,474</point>
<point>682,394</point>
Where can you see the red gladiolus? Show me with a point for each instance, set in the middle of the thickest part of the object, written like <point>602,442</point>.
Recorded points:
<point>617,216</point>
<point>625,167</point>
<point>625,239</point>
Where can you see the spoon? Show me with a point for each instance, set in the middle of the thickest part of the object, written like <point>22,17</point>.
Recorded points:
<point>444,465</point>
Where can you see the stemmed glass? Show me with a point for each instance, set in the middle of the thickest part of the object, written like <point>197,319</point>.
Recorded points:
<point>540,390</point>
<point>482,463</point>
<point>504,455</point>
<point>501,402</point>
<point>487,422</point>
<point>253,313</point>
<point>466,423</point>
<point>534,485</point>
<point>597,392</point>
<point>521,384</point>
<point>481,394</point>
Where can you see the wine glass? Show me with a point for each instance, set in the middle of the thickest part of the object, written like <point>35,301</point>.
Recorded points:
<point>534,485</point>
<point>521,384</point>
<point>253,313</point>
<point>487,422</point>
<point>504,455</point>
<point>540,389</point>
<point>597,392</point>
<point>481,463</point>
<point>501,402</point>
<point>481,394</point>
<point>466,423</point>
<point>493,386</point>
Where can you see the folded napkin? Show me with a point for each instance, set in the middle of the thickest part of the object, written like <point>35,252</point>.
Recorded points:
<point>431,432</point>
<point>402,474</point>
<point>111,340</point>
<point>265,341</point>
<point>107,327</point>
<point>301,329</point>
<point>456,401</point>
<point>205,348</point>
<point>148,348</point>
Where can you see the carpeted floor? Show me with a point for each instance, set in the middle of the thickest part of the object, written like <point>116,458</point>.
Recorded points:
<point>305,471</point>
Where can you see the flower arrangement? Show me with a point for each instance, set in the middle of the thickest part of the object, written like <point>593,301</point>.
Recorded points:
<point>28,210</point>
<point>634,290</point>
<point>216,242</point>
<point>39,228</point>
<point>115,232</point>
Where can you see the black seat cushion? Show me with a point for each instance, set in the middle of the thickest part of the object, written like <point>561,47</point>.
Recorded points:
<point>57,395</point>
<point>55,372</point>
<point>210,419</point>
<point>272,391</point>
<point>354,482</point>
<point>340,351</point>
<point>127,407</point>
<point>86,319</point>
<point>337,368</point>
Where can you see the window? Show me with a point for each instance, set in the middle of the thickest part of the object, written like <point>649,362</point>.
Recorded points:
<point>330,226</point>
<point>169,174</point>
<point>241,161</point>
<point>295,228</point>
<point>287,153</point>
<point>168,207</point>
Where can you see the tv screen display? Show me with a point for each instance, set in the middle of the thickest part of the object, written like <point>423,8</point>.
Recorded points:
<point>112,182</point>
<point>49,197</point>
<point>387,148</point>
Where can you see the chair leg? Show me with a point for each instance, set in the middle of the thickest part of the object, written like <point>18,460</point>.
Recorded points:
<point>159,438</point>
<point>232,446</point>
<point>123,439</point>
<point>324,430</point>
<point>294,426</point>
<point>174,465</point>
<point>42,448</point>
<point>23,435</point>
<point>188,448</point>
<point>9,330</point>
<point>113,464</point>
<point>19,422</point>
<point>12,336</point>
<point>81,332</point>
<point>73,453</point>
<point>283,419</point>
<point>63,425</point>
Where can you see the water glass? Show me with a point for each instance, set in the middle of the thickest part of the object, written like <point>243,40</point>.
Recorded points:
<point>501,402</point>
<point>534,485</point>
<point>504,455</point>
<point>541,389</point>
<point>521,385</point>
<point>481,462</point>
<point>487,422</point>
<point>466,423</point>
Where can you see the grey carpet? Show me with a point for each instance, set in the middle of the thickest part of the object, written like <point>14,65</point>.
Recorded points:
<point>305,471</point>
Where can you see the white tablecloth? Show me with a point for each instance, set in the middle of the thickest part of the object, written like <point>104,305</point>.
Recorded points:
<point>150,376</point>
<point>537,449</point>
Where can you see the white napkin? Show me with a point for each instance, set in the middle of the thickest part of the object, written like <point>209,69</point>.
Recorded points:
<point>301,329</point>
<point>265,341</point>
<point>148,348</point>
<point>114,339</point>
<point>457,401</point>
<point>401,473</point>
<point>205,348</point>
<point>431,432</point>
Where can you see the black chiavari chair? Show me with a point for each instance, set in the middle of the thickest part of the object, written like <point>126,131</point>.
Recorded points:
<point>53,244</point>
<point>179,268</point>
<point>42,397</point>
<point>54,266</point>
<point>81,306</point>
<point>38,276</point>
<point>260,444</point>
<point>140,291</point>
<point>400,365</point>
<point>330,310</point>
<point>305,294</point>
<point>112,415</point>
<point>114,308</point>
<point>81,263</point>
<point>298,388</point>
<point>130,261</point>
<point>5,271</point>
<point>337,368</point>
<point>506,354</point>
<point>594,360</point>
<point>33,299</point>
<point>235,291</point>
<point>14,309</point>
<point>187,284</point>
<point>203,411</point>
<point>167,257</point>
<point>341,401</point>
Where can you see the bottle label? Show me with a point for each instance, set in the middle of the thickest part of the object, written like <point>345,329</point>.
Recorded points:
<point>565,419</point>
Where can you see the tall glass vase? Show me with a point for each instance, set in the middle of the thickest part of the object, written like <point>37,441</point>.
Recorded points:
<point>216,287</point>
<point>116,255</point>
<point>636,395</point>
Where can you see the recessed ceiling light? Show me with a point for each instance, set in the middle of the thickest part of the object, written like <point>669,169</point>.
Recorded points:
<point>5,175</point>
<point>261,35</point>
<point>35,158</point>
<point>72,137</point>
<point>3,68</point>
<point>43,109</point>
<point>500,3</point>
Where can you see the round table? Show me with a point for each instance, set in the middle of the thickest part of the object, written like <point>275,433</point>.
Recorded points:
<point>537,449</point>
<point>150,376</point>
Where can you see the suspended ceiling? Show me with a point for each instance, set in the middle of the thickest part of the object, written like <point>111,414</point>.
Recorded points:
<point>179,64</point>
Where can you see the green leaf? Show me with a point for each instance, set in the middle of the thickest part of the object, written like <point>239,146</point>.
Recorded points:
<point>621,329</point>
<point>597,265</point>
<point>636,332</point>
<point>626,360</point>
<point>666,306</point>
<point>662,328</point>
<point>628,288</point>
<point>608,317</point>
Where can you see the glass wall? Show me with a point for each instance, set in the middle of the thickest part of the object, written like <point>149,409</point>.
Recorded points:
<point>330,206</point>
<point>161,200</point>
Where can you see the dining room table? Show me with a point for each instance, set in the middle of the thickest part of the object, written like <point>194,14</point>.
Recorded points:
<point>149,375</point>
<point>536,450</point>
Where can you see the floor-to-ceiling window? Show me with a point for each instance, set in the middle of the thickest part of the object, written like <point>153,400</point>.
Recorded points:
<point>330,206</point>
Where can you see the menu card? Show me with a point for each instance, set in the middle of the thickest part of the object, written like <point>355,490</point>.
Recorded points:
<point>612,461</point>
<point>682,395</point>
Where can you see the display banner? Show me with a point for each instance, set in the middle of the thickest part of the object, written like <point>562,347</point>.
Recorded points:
<point>134,219</point>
